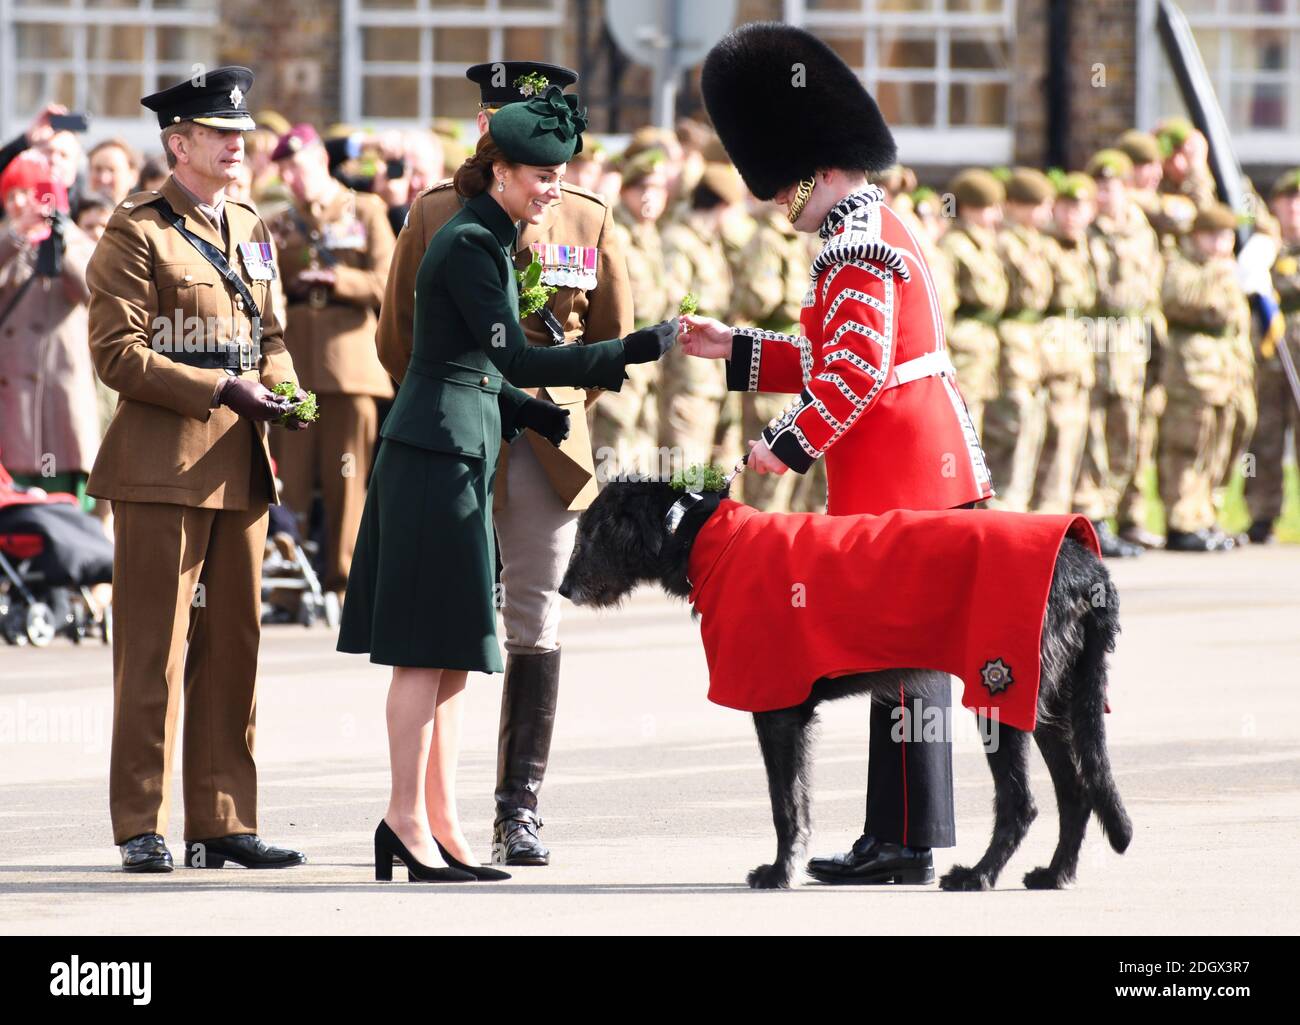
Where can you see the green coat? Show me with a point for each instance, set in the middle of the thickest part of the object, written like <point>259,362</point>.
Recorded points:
<point>422,588</point>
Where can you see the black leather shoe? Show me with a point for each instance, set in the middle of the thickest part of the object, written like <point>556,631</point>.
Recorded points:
<point>1260,532</point>
<point>245,849</point>
<point>873,862</point>
<point>1207,540</point>
<point>515,840</point>
<point>146,853</point>
<point>1112,546</point>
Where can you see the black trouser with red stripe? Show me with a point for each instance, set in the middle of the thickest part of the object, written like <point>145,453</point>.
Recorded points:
<point>909,776</point>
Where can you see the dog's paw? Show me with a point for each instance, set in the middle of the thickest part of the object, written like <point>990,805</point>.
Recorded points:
<point>964,879</point>
<point>769,877</point>
<point>1044,879</point>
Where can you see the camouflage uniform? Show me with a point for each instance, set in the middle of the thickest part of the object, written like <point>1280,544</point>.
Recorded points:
<point>982,290</point>
<point>1208,316</point>
<point>1276,404</point>
<point>737,231</point>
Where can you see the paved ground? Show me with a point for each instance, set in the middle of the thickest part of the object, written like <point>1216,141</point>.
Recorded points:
<point>656,804</point>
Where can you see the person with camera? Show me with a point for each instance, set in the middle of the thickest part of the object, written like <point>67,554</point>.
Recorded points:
<point>49,430</point>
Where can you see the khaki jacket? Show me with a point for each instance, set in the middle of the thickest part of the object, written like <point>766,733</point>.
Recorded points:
<point>602,313</point>
<point>331,333</point>
<point>165,442</point>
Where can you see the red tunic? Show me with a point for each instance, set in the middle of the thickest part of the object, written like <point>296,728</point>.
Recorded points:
<point>871,318</point>
<point>787,598</point>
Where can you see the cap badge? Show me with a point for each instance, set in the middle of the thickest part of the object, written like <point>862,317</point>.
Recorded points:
<point>236,96</point>
<point>531,84</point>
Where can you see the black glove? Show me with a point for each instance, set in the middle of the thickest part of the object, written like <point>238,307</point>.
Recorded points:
<point>251,399</point>
<point>546,418</point>
<point>650,343</point>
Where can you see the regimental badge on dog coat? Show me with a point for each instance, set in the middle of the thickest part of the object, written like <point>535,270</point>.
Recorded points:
<point>787,598</point>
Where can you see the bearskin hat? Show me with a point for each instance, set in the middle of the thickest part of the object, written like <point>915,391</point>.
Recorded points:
<point>785,105</point>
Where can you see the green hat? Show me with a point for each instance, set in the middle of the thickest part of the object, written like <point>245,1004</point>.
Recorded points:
<point>1109,163</point>
<point>1215,217</point>
<point>541,132</point>
<point>1029,185</point>
<point>976,187</point>
<point>641,166</point>
<point>1076,185</point>
<point>1139,146</point>
<point>1288,184</point>
<point>1172,133</point>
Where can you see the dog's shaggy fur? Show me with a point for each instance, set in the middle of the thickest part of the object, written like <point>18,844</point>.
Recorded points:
<point>622,542</point>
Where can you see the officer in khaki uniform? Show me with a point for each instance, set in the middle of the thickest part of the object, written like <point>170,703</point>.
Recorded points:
<point>186,465</point>
<point>1276,402</point>
<point>333,246</point>
<point>1068,372</point>
<point>624,424</point>
<point>1209,317</point>
<point>540,489</point>
<point>1015,421</point>
<point>691,391</point>
<point>971,246</point>
<point>1126,253</point>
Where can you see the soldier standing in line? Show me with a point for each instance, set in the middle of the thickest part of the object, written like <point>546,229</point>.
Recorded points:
<point>1185,154</point>
<point>1126,253</point>
<point>1068,372</point>
<point>1276,402</point>
<point>186,465</point>
<point>691,391</point>
<point>539,489</point>
<point>1014,423</point>
<point>624,424</point>
<point>928,210</point>
<point>1208,316</point>
<point>333,246</point>
<point>971,246</point>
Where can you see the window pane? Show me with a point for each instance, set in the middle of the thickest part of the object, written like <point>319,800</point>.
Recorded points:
<point>404,4</point>
<point>906,103</point>
<point>837,5</point>
<point>905,5</point>
<point>1259,50</point>
<point>186,5</point>
<point>851,48</point>
<point>1170,100</point>
<point>390,44</point>
<point>982,104</point>
<point>981,51</point>
<point>455,97</point>
<point>115,42</point>
<point>1258,105</point>
<point>43,42</point>
<point>977,6</point>
<point>528,44</point>
<point>390,96</point>
<point>115,95</point>
<point>34,89</point>
<point>906,50</point>
<point>460,45</point>
<point>184,44</point>
<point>527,5</point>
<point>113,4</point>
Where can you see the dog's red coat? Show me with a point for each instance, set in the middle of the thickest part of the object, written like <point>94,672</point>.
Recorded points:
<point>786,598</point>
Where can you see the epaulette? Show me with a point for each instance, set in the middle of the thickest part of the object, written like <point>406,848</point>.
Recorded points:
<point>446,183</point>
<point>137,200</point>
<point>860,241</point>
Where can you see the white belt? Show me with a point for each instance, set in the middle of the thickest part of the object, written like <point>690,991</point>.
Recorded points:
<point>932,364</point>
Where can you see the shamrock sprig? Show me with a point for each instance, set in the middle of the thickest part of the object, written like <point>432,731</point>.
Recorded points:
<point>689,304</point>
<point>699,478</point>
<point>304,412</point>
<point>532,84</point>
<point>533,295</point>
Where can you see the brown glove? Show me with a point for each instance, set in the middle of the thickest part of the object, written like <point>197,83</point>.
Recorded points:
<point>250,399</point>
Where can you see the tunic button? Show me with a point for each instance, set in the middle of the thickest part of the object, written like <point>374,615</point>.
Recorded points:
<point>187,278</point>
<point>484,381</point>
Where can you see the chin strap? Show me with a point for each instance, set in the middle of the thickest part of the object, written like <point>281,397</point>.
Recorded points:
<point>801,197</point>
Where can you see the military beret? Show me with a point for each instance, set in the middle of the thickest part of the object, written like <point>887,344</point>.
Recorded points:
<point>1140,147</point>
<point>272,120</point>
<point>295,140</point>
<point>447,128</point>
<point>1215,217</point>
<point>543,131</point>
<point>976,187</point>
<point>1172,133</point>
<point>640,166</point>
<point>1075,186</point>
<point>214,99</point>
<point>504,82</point>
<point>1287,184</point>
<point>894,180</point>
<point>649,138</point>
<point>723,180</point>
<point>1109,163</point>
<point>1029,185</point>
<point>925,200</point>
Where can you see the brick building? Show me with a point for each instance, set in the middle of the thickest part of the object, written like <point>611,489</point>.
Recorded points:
<point>962,81</point>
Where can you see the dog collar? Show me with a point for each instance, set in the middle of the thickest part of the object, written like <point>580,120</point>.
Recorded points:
<point>679,509</point>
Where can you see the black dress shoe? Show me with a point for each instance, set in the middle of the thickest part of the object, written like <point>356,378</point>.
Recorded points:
<point>515,840</point>
<point>1113,546</point>
<point>1209,539</point>
<point>146,853</point>
<point>1260,532</point>
<point>245,849</point>
<point>872,861</point>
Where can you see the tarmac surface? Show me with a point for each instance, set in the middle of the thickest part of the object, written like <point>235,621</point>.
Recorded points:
<point>656,802</point>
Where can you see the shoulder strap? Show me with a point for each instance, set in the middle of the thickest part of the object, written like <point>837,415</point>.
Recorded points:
<point>18,296</point>
<point>218,260</point>
<point>322,252</point>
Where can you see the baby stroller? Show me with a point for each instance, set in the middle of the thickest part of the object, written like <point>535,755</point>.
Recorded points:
<point>51,555</point>
<point>291,591</point>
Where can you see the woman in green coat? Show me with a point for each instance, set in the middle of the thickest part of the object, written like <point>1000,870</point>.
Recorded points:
<point>426,531</point>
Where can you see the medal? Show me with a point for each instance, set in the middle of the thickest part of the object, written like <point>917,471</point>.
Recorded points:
<point>259,260</point>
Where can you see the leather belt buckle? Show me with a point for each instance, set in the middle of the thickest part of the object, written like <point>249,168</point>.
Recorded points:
<point>317,298</point>
<point>247,357</point>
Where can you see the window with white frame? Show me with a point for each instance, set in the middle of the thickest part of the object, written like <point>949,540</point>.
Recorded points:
<point>1251,49</point>
<point>404,60</point>
<point>99,57</point>
<point>940,69</point>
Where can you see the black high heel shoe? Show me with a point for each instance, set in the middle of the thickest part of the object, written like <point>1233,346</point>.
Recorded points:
<point>483,873</point>
<point>388,845</point>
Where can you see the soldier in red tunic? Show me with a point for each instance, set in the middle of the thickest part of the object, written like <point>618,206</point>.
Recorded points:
<point>876,390</point>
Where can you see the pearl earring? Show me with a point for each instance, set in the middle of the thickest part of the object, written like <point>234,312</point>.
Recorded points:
<point>501,185</point>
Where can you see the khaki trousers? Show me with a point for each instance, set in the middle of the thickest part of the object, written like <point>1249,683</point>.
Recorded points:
<point>1189,450</point>
<point>1277,414</point>
<point>334,454</point>
<point>183,574</point>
